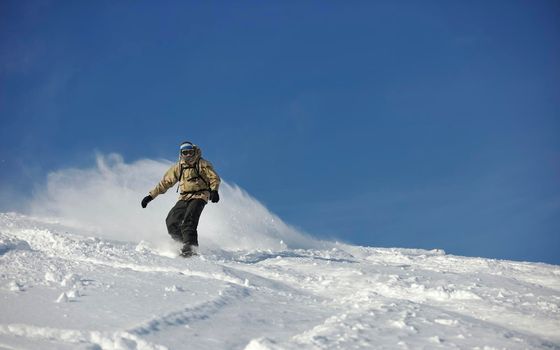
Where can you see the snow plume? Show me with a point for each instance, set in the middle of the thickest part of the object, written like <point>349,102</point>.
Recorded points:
<point>104,201</point>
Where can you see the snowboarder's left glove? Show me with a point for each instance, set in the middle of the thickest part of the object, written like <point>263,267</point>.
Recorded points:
<point>146,200</point>
<point>214,196</point>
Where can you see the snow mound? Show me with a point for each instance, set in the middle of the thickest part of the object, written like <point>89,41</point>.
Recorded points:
<point>8,243</point>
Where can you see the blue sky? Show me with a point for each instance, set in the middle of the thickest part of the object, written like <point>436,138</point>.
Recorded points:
<point>425,124</point>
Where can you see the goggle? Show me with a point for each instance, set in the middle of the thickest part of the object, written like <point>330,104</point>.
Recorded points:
<point>186,148</point>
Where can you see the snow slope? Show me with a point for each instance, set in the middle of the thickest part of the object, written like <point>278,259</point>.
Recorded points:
<point>91,269</point>
<point>60,290</point>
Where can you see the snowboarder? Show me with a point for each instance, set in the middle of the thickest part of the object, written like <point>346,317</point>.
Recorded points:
<point>198,183</point>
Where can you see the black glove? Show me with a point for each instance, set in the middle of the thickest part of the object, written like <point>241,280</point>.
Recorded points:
<point>214,196</point>
<point>146,200</point>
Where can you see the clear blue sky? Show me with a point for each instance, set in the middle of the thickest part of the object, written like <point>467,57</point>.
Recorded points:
<point>428,124</point>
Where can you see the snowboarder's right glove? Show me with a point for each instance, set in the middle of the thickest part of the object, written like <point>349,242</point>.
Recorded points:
<point>146,200</point>
<point>214,196</point>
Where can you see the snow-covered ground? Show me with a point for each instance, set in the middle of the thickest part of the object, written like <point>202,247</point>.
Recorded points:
<point>59,290</point>
<point>90,269</point>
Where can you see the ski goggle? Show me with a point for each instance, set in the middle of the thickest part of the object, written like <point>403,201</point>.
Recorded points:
<point>187,148</point>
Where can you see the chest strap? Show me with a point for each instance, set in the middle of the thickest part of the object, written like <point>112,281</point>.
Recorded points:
<point>196,168</point>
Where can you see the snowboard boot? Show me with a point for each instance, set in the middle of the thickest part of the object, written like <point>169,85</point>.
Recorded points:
<point>188,250</point>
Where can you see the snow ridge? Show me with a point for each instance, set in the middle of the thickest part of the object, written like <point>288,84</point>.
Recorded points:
<point>100,340</point>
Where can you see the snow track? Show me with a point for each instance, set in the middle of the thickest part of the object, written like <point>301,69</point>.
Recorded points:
<point>191,314</point>
<point>64,291</point>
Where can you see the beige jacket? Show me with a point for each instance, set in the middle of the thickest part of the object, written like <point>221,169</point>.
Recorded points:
<point>196,179</point>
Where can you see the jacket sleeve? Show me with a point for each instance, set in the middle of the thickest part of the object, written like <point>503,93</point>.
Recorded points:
<point>170,178</point>
<point>210,174</point>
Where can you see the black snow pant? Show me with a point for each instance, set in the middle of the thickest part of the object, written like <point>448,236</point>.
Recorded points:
<point>182,220</point>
